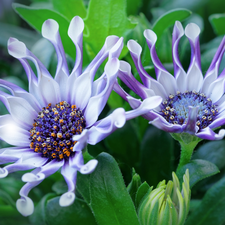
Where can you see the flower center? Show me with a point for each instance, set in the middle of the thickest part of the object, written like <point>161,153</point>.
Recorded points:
<point>175,109</point>
<point>54,128</point>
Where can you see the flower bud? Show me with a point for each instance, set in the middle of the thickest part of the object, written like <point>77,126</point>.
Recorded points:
<point>166,204</point>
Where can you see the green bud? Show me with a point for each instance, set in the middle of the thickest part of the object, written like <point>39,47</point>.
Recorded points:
<point>166,204</point>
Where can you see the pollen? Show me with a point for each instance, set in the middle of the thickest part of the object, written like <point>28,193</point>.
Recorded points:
<point>53,130</point>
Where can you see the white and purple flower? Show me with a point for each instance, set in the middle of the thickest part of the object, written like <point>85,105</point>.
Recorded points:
<point>50,125</point>
<point>191,104</point>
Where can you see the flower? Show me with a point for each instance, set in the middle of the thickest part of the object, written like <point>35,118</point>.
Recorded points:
<point>191,104</point>
<point>51,124</point>
<point>166,203</point>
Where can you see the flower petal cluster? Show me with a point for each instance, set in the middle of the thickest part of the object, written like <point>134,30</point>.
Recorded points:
<point>75,96</point>
<point>191,104</point>
<point>166,204</point>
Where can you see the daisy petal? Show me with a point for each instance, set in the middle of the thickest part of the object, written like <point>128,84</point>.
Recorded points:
<point>145,107</point>
<point>50,31</point>
<point>25,206</point>
<point>97,103</point>
<point>163,76</point>
<point>194,74</point>
<point>75,32</point>
<point>192,119</point>
<point>106,126</point>
<point>209,134</point>
<point>89,167</point>
<point>135,51</point>
<point>11,133</point>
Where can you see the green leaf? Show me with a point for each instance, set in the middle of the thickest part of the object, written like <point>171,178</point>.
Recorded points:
<point>70,8</point>
<point>36,16</point>
<point>217,21</point>
<point>198,170</point>
<point>39,215</point>
<point>169,19</point>
<point>126,146</point>
<point>134,185</point>
<point>212,207</point>
<point>213,152</point>
<point>156,154</point>
<point>7,198</point>
<point>77,213</point>
<point>106,17</point>
<point>24,35</point>
<point>110,201</point>
<point>133,6</point>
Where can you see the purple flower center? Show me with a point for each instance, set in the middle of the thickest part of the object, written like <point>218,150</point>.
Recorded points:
<point>54,128</point>
<point>176,108</point>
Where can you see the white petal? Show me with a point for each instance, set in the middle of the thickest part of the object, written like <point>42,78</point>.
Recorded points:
<point>89,167</point>
<point>25,206</point>
<point>30,177</point>
<point>67,199</point>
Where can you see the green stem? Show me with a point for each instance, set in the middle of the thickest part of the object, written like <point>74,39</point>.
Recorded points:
<point>188,143</point>
<point>186,153</point>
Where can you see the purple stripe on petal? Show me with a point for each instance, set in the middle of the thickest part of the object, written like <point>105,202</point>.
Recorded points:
<point>147,105</point>
<point>82,140</point>
<point>18,50</point>
<point>216,59</point>
<point>160,122</point>
<point>179,72</point>
<point>135,51</point>
<point>106,126</point>
<point>97,103</point>
<point>178,32</point>
<point>216,89</point>
<point>163,76</point>
<point>75,32</point>
<point>119,90</point>
<point>19,92</point>
<point>109,44</point>
<point>127,77</point>
<point>191,126</point>
<point>209,134</point>
<point>194,74</point>
<point>50,31</point>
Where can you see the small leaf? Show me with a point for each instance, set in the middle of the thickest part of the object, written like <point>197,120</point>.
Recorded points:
<point>134,185</point>
<point>70,8</point>
<point>77,213</point>
<point>169,19</point>
<point>110,201</point>
<point>198,170</point>
<point>211,209</point>
<point>217,21</point>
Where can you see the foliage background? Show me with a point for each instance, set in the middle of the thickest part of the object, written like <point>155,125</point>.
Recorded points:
<point>138,148</point>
